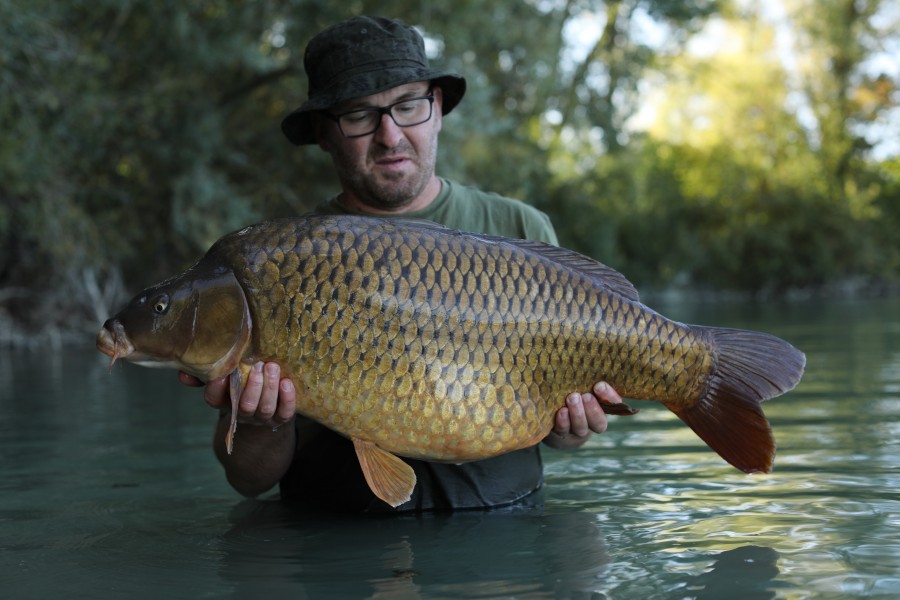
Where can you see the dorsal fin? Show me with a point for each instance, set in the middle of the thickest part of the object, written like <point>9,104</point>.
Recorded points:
<point>418,222</point>
<point>596,271</point>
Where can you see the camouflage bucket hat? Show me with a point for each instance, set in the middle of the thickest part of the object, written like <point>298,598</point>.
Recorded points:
<point>359,57</point>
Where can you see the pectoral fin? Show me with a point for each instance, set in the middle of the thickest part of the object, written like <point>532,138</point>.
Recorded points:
<point>234,383</point>
<point>388,476</point>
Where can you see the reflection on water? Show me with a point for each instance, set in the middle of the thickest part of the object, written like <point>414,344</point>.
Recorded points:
<point>473,554</point>
<point>108,487</point>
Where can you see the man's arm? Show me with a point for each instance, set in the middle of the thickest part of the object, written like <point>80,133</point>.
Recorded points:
<point>265,439</point>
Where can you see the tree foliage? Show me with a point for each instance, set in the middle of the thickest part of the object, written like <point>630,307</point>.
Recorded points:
<point>136,133</point>
<point>729,187</point>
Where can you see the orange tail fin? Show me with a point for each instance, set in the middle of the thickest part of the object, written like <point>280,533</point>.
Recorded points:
<point>752,367</point>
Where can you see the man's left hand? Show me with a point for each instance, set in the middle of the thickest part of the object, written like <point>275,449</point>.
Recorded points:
<point>581,416</point>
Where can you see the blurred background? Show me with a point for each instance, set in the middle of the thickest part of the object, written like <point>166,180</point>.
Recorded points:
<point>703,145</point>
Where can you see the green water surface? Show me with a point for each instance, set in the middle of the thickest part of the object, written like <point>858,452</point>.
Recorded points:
<point>109,489</point>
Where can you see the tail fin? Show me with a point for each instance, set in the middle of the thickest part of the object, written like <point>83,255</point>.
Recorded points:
<point>751,367</point>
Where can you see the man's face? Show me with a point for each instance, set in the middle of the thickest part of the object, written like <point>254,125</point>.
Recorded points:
<point>390,168</point>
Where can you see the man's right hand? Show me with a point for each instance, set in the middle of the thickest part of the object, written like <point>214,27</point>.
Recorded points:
<point>262,454</point>
<point>267,399</point>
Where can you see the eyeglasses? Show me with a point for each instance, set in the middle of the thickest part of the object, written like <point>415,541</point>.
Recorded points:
<point>406,113</point>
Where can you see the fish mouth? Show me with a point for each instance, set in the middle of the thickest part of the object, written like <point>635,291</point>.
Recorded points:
<point>113,342</point>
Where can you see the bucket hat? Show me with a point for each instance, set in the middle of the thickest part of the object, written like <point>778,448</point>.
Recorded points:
<point>363,56</point>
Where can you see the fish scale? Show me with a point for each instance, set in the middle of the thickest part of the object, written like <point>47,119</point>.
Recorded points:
<point>465,290</point>
<point>416,340</point>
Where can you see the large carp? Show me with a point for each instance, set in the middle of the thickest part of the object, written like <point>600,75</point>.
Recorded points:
<point>416,340</point>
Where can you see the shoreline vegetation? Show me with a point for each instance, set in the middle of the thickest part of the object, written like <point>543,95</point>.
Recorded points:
<point>716,160</point>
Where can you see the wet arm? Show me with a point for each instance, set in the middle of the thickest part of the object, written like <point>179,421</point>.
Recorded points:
<point>265,438</point>
<point>260,456</point>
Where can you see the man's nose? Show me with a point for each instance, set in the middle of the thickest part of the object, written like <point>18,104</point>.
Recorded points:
<point>388,133</point>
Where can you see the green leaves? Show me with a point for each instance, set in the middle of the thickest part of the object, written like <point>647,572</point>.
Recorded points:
<point>135,133</point>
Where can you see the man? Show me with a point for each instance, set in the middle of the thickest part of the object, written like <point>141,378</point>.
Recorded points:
<point>377,107</point>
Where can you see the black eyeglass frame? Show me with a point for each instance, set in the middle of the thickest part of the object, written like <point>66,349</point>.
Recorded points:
<point>385,110</point>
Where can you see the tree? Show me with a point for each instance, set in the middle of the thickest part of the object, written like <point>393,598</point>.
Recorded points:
<point>728,188</point>
<point>137,133</point>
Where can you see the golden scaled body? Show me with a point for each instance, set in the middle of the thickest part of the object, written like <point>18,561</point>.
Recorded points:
<point>415,340</point>
<point>447,346</point>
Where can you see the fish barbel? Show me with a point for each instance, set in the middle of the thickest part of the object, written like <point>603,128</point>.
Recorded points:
<point>416,340</point>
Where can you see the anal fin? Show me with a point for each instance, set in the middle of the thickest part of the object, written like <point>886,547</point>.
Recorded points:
<point>388,476</point>
<point>619,409</point>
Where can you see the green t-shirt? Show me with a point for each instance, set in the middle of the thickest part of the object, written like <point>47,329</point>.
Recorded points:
<point>325,471</point>
<point>470,209</point>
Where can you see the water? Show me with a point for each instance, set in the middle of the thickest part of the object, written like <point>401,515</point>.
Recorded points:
<point>109,489</point>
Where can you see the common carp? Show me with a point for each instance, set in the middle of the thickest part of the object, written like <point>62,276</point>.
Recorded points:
<point>416,340</point>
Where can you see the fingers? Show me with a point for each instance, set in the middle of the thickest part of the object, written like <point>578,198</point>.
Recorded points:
<point>574,423</point>
<point>593,414</point>
<point>583,414</point>
<point>190,380</point>
<point>606,394</point>
<point>563,425</point>
<point>611,402</point>
<point>287,401</point>
<point>260,392</point>
<point>267,399</point>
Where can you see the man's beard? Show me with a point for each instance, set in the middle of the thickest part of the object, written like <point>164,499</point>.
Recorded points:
<point>390,193</point>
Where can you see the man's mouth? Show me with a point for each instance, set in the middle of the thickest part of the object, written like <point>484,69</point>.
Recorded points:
<point>391,160</point>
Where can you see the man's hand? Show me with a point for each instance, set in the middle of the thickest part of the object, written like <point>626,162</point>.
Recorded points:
<point>581,416</point>
<point>267,399</point>
<point>262,454</point>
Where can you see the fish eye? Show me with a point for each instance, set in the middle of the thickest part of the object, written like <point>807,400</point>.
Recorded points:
<point>160,304</point>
